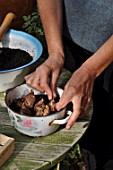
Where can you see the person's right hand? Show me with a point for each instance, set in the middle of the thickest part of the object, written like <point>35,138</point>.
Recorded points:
<point>45,77</point>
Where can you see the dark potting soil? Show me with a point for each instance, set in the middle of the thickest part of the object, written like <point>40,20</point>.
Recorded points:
<point>13,58</point>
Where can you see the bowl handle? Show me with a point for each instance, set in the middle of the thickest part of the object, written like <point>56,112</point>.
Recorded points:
<point>6,24</point>
<point>62,121</point>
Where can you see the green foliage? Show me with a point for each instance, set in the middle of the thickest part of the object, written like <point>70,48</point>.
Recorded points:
<point>33,25</point>
<point>73,160</point>
<point>75,153</point>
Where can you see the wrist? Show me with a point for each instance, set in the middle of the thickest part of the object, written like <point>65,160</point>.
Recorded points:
<point>56,47</point>
<point>57,56</point>
<point>89,70</point>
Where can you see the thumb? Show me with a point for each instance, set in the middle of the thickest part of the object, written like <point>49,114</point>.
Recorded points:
<point>60,105</point>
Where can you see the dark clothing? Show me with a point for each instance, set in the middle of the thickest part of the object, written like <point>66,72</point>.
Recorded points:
<point>98,138</point>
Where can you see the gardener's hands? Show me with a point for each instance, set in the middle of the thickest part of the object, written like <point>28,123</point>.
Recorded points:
<point>46,75</point>
<point>78,90</point>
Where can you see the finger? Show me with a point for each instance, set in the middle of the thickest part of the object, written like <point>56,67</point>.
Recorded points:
<point>34,81</point>
<point>44,85</point>
<point>65,99</point>
<point>28,78</point>
<point>86,100</point>
<point>39,82</point>
<point>53,83</point>
<point>75,114</point>
<point>86,107</point>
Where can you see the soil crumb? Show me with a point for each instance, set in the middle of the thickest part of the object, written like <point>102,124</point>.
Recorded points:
<point>13,58</point>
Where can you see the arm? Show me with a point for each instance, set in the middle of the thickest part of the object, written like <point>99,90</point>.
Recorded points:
<point>101,59</point>
<point>51,17</point>
<point>46,75</point>
<point>79,88</point>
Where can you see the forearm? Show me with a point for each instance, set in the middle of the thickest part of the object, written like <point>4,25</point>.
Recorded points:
<point>101,59</point>
<point>51,17</point>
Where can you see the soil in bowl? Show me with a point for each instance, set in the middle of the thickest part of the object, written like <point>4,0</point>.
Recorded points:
<point>34,105</point>
<point>13,58</point>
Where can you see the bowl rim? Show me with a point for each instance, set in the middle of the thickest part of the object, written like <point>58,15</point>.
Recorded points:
<point>34,40</point>
<point>27,116</point>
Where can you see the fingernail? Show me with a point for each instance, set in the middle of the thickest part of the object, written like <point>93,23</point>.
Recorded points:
<point>50,97</point>
<point>54,95</point>
<point>57,108</point>
<point>68,127</point>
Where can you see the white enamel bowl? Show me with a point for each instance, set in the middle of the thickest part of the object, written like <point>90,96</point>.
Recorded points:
<point>19,40</point>
<point>33,126</point>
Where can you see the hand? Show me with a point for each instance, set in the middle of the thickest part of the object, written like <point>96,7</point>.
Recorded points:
<point>78,90</point>
<point>46,75</point>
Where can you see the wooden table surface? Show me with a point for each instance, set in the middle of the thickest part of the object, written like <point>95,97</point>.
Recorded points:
<point>39,153</point>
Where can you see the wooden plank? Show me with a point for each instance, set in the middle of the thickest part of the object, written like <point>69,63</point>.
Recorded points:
<point>7,146</point>
<point>62,137</point>
<point>2,106</point>
<point>4,119</point>
<point>56,146</point>
<point>35,153</point>
<point>1,95</point>
<point>24,164</point>
<point>39,153</point>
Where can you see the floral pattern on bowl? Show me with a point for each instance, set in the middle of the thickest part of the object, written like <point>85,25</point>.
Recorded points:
<point>32,126</point>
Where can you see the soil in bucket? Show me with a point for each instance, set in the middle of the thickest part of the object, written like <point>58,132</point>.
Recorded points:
<point>13,58</point>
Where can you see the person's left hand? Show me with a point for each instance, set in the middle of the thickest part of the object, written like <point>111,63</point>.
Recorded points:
<point>45,77</point>
<point>78,90</point>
